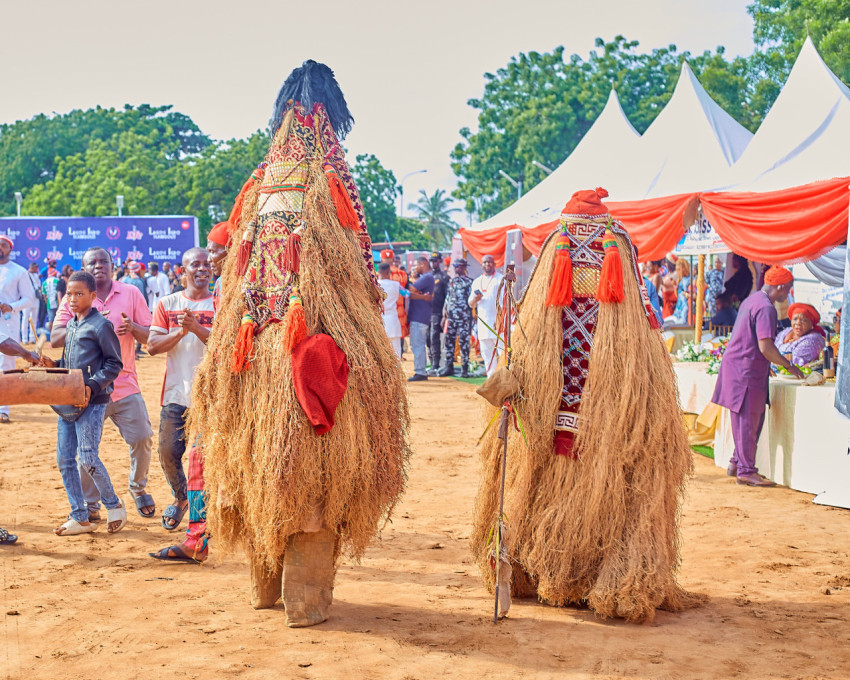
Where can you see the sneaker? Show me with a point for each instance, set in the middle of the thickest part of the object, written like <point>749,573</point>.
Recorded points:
<point>416,377</point>
<point>432,373</point>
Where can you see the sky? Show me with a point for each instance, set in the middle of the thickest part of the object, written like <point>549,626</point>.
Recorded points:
<point>407,70</point>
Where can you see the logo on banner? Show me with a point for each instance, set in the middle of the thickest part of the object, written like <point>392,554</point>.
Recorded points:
<point>12,234</point>
<point>167,234</point>
<point>54,255</point>
<point>33,253</point>
<point>184,225</point>
<point>167,254</point>
<point>113,233</point>
<point>134,234</point>
<point>33,233</point>
<point>135,254</point>
<point>76,254</point>
<point>87,234</point>
<point>54,234</point>
<point>114,253</point>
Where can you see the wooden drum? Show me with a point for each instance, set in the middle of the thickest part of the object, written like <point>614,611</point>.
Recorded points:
<point>52,386</point>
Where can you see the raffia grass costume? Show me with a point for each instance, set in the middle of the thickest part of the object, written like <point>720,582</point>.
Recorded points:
<point>600,526</point>
<point>276,487</point>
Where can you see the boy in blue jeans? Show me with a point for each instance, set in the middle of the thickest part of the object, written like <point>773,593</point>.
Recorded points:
<point>91,345</point>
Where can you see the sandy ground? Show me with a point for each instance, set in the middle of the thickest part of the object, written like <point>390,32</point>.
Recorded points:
<point>775,567</point>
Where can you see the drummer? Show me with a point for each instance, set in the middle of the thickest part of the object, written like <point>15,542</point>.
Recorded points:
<point>12,349</point>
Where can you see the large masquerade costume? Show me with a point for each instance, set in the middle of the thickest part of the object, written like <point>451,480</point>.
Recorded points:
<point>593,494</point>
<point>300,398</point>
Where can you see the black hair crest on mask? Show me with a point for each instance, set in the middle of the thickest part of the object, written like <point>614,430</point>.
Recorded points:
<point>309,84</point>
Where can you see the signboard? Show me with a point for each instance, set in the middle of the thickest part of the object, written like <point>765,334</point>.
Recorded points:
<point>700,239</point>
<point>65,239</point>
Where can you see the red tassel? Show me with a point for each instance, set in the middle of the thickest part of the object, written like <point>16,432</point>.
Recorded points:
<point>245,246</point>
<point>294,325</point>
<point>653,320</point>
<point>561,287</point>
<point>292,252</point>
<point>342,202</point>
<point>611,279</point>
<point>243,348</point>
<point>236,213</point>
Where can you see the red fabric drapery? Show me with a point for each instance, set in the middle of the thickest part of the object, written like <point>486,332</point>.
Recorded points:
<point>779,227</point>
<point>774,227</point>
<point>655,224</point>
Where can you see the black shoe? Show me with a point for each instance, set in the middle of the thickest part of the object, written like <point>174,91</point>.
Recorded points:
<point>416,377</point>
<point>448,371</point>
<point>464,373</point>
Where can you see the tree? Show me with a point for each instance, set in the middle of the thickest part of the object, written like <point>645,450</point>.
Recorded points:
<point>31,150</point>
<point>208,185</point>
<point>378,192</point>
<point>435,214</point>
<point>540,105</point>
<point>780,28</point>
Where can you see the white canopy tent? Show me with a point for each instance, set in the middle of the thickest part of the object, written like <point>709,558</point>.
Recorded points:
<point>690,146</point>
<point>805,137</point>
<point>610,138</point>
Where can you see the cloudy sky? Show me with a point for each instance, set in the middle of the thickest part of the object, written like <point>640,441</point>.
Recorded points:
<point>407,69</point>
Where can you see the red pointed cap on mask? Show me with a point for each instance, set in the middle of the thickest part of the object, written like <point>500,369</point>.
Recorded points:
<point>587,203</point>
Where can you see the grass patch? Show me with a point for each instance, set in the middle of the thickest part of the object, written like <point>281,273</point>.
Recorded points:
<point>471,381</point>
<point>706,451</point>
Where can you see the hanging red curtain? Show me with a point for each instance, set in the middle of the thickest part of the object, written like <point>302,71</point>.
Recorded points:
<point>781,227</point>
<point>655,224</point>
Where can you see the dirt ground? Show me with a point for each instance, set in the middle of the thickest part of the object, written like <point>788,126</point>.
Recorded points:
<point>774,565</point>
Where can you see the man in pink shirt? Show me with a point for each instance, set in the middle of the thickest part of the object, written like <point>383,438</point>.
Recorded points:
<point>126,308</point>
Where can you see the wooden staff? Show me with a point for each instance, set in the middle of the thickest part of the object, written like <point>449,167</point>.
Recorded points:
<point>503,431</point>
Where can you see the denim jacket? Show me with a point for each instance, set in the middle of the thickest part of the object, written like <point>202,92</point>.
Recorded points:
<point>92,345</point>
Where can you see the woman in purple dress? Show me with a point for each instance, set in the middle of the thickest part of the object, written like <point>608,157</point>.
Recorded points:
<point>802,342</point>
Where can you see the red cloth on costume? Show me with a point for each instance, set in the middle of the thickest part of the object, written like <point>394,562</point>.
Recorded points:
<point>320,374</point>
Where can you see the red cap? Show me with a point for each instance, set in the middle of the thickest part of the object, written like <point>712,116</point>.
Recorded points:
<point>587,202</point>
<point>220,234</point>
<point>776,276</point>
<point>387,254</point>
<point>808,310</point>
<point>8,239</point>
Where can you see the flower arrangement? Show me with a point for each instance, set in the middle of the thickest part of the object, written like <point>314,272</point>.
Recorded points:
<point>692,351</point>
<point>717,356</point>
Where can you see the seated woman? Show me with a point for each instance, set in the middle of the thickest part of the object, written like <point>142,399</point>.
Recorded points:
<point>680,315</point>
<point>803,342</point>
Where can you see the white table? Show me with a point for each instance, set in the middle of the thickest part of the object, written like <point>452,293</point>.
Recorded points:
<point>804,443</point>
<point>696,387</point>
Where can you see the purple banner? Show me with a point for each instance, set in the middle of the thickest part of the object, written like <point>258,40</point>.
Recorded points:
<point>65,239</point>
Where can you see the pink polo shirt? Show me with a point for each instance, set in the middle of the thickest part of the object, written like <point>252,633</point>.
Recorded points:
<point>126,299</point>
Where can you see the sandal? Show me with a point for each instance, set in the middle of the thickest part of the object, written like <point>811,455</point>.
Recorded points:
<point>6,538</point>
<point>118,514</point>
<point>145,501</point>
<point>175,553</point>
<point>4,418</point>
<point>175,514</point>
<point>73,528</point>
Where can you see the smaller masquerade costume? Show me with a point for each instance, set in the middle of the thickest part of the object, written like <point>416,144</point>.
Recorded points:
<point>592,496</point>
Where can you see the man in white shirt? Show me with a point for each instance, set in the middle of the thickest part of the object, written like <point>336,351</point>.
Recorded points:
<point>483,299</point>
<point>181,326</point>
<point>34,312</point>
<point>16,296</point>
<point>392,288</point>
<point>158,286</point>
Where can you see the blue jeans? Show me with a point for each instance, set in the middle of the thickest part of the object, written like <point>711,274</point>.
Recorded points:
<point>418,338</point>
<point>172,446</point>
<point>82,438</point>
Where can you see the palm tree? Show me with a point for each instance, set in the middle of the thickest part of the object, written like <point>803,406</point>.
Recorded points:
<point>436,217</point>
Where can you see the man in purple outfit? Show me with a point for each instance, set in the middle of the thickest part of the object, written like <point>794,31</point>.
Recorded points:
<point>742,383</point>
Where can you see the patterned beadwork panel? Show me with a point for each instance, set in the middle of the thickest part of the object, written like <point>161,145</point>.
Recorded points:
<point>267,283</point>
